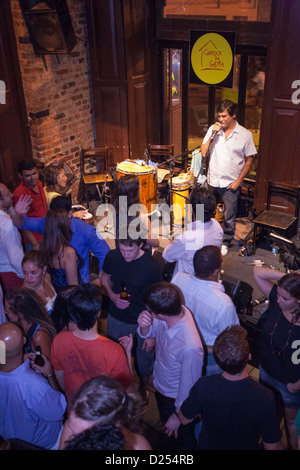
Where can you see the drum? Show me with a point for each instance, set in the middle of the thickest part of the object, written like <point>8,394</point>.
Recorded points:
<point>86,217</point>
<point>180,184</point>
<point>147,179</point>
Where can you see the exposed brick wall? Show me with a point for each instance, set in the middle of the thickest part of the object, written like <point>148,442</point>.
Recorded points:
<point>62,89</point>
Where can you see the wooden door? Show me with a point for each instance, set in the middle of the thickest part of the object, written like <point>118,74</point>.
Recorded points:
<point>121,47</point>
<point>108,70</point>
<point>279,148</point>
<point>14,131</point>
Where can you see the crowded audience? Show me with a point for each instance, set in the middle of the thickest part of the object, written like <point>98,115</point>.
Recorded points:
<point>67,385</point>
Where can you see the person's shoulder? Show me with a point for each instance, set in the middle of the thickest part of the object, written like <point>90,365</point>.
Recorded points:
<point>149,259</point>
<point>21,189</point>
<point>242,130</point>
<point>61,337</point>
<point>69,252</point>
<point>110,345</point>
<point>182,276</point>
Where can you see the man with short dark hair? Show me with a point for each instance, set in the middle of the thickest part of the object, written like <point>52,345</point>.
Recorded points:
<point>178,355</point>
<point>231,154</point>
<point>138,270</point>
<point>31,186</point>
<point>205,297</point>
<point>235,410</point>
<point>82,353</point>
<point>203,230</point>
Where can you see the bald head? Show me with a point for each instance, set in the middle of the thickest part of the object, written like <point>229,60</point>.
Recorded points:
<point>12,337</point>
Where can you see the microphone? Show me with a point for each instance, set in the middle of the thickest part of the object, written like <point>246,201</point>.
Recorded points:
<point>213,135</point>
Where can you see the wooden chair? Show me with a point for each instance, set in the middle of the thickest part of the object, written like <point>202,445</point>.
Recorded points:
<point>94,168</point>
<point>282,219</point>
<point>160,153</point>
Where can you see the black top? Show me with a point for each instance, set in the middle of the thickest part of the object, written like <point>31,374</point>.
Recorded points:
<point>137,275</point>
<point>234,413</point>
<point>279,344</point>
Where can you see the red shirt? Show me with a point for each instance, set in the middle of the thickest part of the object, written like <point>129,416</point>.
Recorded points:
<point>82,360</point>
<point>38,207</point>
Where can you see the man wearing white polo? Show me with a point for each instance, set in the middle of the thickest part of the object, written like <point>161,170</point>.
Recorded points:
<point>231,154</point>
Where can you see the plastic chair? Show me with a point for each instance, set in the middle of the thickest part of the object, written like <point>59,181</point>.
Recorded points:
<point>279,218</point>
<point>94,168</point>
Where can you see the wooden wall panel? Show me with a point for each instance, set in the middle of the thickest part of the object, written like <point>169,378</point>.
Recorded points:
<point>15,141</point>
<point>138,33</point>
<point>108,70</point>
<point>279,148</point>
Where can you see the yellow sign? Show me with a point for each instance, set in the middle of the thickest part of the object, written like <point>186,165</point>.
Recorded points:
<point>211,58</point>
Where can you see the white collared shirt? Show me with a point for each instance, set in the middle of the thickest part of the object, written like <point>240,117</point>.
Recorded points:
<point>197,235</point>
<point>179,357</point>
<point>212,309</point>
<point>227,156</point>
<point>11,250</point>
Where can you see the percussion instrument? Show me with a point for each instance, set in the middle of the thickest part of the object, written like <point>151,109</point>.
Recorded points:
<point>181,185</point>
<point>147,179</point>
<point>87,216</point>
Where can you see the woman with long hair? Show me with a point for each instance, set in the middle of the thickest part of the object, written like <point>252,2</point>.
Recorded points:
<point>101,401</point>
<point>55,182</point>
<point>280,333</point>
<point>62,260</point>
<point>25,308</point>
<point>36,277</point>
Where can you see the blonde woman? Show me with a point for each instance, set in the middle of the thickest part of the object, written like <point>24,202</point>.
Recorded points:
<point>36,277</point>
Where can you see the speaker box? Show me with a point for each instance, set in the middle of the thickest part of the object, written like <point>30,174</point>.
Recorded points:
<point>239,291</point>
<point>241,294</point>
<point>49,26</point>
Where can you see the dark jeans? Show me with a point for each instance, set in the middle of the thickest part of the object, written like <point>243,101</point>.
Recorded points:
<point>186,438</point>
<point>230,199</point>
<point>143,361</point>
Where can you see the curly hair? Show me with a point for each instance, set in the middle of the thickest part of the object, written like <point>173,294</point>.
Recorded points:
<point>98,437</point>
<point>51,173</point>
<point>231,349</point>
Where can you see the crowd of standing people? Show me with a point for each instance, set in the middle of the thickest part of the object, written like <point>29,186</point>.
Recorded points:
<point>66,385</point>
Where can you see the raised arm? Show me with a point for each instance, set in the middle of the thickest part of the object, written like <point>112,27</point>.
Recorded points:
<point>265,277</point>
<point>21,208</point>
<point>204,147</point>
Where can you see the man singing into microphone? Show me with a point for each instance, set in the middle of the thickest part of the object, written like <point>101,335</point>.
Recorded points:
<point>231,154</point>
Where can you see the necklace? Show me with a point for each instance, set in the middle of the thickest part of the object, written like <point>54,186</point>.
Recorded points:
<point>286,343</point>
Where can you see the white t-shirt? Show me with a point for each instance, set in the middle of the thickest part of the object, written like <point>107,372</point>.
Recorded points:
<point>227,156</point>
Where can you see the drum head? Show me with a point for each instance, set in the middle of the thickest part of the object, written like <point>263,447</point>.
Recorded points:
<point>181,181</point>
<point>133,168</point>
